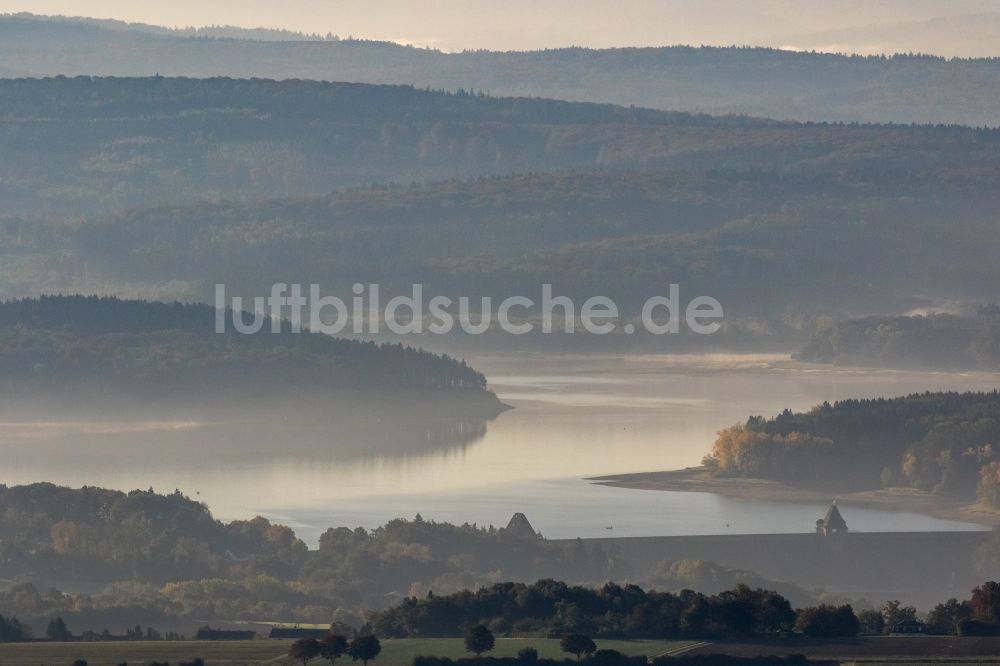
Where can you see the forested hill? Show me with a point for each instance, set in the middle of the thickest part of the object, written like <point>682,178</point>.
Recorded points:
<point>77,144</point>
<point>767,82</point>
<point>855,241</point>
<point>162,187</point>
<point>52,345</point>
<point>73,145</point>
<point>938,341</point>
<point>941,442</point>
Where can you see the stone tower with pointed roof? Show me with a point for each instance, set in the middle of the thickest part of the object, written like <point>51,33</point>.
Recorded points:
<point>833,528</point>
<point>520,526</point>
<point>833,523</point>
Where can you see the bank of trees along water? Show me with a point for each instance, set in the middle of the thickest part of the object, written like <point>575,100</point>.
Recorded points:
<point>935,341</point>
<point>126,347</point>
<point>941,442</point>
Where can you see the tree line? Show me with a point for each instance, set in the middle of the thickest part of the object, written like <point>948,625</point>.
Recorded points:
<point>935,341</point>
<point>576,614</point>
<point>122,346</point>
<point>628,611</point>
<point>940,442</point>
<point>553,607</point>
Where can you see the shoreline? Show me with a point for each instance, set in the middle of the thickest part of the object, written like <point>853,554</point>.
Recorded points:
<point>698,479</point>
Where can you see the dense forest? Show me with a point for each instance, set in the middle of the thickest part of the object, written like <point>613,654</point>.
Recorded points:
<point>93,144</point>
<point>91,345</point>
<point>108,558</point>
<point>938,341</point>
<point>160,188</point>
<point>758,81</point>
<point>885,234</point>
<point>86,143</point>
<point>941,442</point>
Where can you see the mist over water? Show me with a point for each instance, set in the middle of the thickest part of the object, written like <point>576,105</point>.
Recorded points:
<point>574,417</point>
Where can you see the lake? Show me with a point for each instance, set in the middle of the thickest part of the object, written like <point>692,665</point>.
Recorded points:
<point>573,417</point>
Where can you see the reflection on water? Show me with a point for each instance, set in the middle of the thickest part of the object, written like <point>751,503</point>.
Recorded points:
<point>574,416</point>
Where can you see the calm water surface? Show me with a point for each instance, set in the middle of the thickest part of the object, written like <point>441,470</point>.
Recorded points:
<point>574,417</point>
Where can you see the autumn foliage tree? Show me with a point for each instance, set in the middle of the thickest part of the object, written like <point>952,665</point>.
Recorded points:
<point>988,490</point>
<point>985,602</point>
<point>741,450</point>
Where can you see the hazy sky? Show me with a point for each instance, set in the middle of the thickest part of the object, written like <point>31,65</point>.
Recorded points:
<point>969,27</point>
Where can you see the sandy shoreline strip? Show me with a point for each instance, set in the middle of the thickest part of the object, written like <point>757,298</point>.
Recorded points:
<point>698,479</point>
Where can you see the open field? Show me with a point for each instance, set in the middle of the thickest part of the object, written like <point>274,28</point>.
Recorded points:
<point>938,650</point>
<point>912,651</point>
<point>401,652</point>
<point>398,652</point>
<point>228,653</point>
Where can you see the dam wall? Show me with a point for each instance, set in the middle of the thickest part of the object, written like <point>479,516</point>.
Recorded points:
<point>918,568</point>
